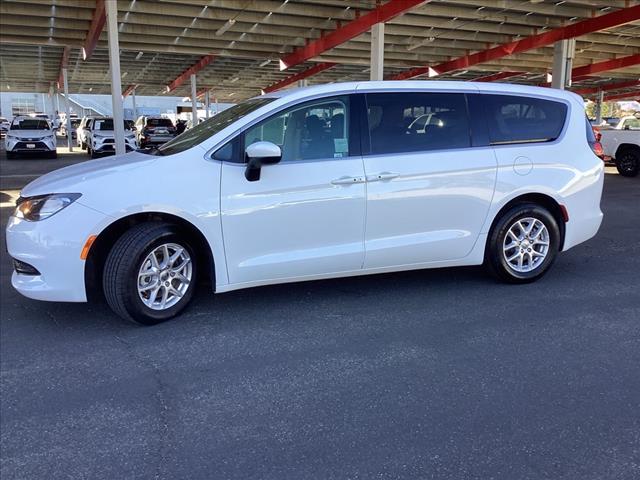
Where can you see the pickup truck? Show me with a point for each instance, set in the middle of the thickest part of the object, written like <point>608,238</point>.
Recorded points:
<point>622,144</point>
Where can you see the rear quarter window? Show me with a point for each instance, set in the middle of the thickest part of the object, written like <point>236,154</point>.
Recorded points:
<point>516,119</point>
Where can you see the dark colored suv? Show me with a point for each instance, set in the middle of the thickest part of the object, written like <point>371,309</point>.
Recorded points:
<point>154,131</point>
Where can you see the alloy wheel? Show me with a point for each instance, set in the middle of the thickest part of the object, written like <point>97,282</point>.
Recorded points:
<point>526,245</point>
<point>164,276</point>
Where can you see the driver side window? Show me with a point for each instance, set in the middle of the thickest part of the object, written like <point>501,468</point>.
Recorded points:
<point>314,130</point>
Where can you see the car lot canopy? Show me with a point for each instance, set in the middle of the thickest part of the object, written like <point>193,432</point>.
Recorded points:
<point>161,39</point>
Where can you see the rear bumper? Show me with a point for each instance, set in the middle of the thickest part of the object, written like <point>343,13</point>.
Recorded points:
<point>156,139</point>
<point>585,216</point>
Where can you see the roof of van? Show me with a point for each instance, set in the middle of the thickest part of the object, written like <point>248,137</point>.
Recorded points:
<point>399,85</point>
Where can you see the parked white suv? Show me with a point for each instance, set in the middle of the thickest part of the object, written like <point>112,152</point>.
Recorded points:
<point>100,137</point>
<point>28,135</point>
<point>320,182</point>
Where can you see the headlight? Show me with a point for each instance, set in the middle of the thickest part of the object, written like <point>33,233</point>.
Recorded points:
<point>37,208</point>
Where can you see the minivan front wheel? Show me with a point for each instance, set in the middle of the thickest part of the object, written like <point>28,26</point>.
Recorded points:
<point>150,274</point>
<point>523,244</point>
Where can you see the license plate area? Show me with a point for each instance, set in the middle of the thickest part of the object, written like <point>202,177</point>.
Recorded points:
<point>31,145</point>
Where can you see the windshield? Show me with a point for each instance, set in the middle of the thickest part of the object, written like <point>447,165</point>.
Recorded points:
<point>213,125</point>
<point>159,122</point>
<point>30,124</point>
<point>106,124</point>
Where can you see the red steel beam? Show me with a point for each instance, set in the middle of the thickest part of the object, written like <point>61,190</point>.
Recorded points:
<point>320,67</point>
<point>605,66</point>
<point>346,32</point>
<point>634,95</point>
<point>95,29</point>
<point>195,68</point>
<point>497,76</point>
<point>128,91</point>
<point>614,19</point>
<point>64,63</point>
<point>585,72</point>
<point>607,87</point>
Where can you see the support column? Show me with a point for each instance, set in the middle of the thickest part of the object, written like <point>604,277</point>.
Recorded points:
<point>377,52</point>
<point>116,85</point>
<point>563,53</point>
<point>53,104</point>
<point>207,102</point>
<point>135,109</point>
<point>67,110</point>
<point>216,101</point>
<point>599,102</point>
<point>194,101</point>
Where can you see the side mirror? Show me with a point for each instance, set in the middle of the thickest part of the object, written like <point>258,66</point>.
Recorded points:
<point>259,154</point>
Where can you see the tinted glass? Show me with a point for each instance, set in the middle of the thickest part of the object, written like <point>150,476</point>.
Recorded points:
<point>591,137</point>
<point>30,124</point>
<point>159,122</point>
<point>414,122</point>
<point>514,119</point>
<point>106,124</point>
<point>313,130</point>
<point>211,126</point>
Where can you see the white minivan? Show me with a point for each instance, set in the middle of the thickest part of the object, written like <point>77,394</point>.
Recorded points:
<point>319,182</point>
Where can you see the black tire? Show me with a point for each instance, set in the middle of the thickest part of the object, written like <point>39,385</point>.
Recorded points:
<point>120,277</point>
<point>52,155</point>
<point>11,155</point>
<point>628,161</point>
<point>91,153</point>
<point>495,260</point>
<point>83,146</point>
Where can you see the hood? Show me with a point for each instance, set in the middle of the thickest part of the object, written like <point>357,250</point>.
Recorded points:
<point>31,133</point>
<point>73,179</point>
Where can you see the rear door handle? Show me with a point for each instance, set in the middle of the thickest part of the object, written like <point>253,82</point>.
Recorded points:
<point>382,176</point>
<point>347,180</point>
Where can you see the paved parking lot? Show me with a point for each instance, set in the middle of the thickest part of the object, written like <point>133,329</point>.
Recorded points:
<point>429,374</point>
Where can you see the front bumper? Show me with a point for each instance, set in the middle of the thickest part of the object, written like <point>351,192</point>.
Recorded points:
<point>108,146</point>
<point>53,248</point>
<point>15,145</point>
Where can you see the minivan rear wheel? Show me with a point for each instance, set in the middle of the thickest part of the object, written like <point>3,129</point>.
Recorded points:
<point>523,244</point>
<point>150,274</point>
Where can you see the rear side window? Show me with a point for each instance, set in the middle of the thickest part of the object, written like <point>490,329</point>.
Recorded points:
<point>514,119</point>
<point>415,122</point>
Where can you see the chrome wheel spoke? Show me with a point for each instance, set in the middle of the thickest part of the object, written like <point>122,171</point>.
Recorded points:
<point>146,288</point>
<point>165,276</point>
<point>526,244</point>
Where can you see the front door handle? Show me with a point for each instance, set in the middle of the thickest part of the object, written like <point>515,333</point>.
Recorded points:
<point>347,180</point>
<point>382,176</point>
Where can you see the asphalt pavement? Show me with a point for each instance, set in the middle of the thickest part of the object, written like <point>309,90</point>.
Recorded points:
<point>441,374</point>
